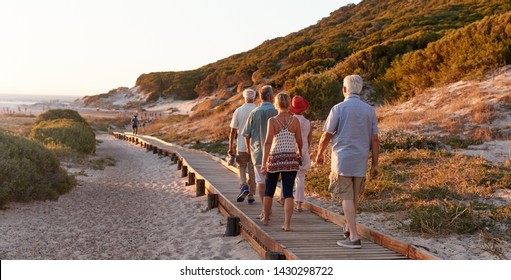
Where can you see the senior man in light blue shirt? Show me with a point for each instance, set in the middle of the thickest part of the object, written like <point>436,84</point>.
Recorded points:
<point>255,135</point>
<point>352,128</point>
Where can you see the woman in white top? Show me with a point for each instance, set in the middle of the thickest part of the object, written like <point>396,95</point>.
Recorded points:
<point>298,106</point>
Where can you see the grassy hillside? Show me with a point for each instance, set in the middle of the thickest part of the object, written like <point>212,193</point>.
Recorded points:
<point>368,39</point>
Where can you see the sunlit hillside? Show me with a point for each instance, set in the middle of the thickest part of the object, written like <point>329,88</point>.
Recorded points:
<point>375,39</point>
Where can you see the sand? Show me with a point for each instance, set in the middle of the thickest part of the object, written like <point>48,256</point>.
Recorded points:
<point>138,209</point>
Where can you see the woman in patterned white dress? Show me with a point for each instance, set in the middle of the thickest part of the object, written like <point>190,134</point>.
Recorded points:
<point>281,154</point>
<point>298,106</point>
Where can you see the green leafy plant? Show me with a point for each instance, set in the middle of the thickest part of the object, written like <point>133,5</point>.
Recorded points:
<point>29,171</point>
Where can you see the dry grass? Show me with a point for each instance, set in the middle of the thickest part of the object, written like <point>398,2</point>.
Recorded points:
<point>19,124</point>
<point>472,110</point>
<point>208,125</point>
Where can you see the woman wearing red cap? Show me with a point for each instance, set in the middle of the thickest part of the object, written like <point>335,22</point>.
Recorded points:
<point>298,106</point>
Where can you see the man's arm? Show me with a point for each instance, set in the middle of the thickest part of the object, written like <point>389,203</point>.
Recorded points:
<point>270,132</point>
<point>232,136</point>
<point>247,143</point>
<point>323,143</point>
<point>375,152</point>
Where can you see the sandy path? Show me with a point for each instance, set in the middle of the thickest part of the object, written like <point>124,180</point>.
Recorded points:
<point>137,209</point>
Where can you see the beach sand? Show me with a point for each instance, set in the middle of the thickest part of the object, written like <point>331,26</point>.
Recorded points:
<point>138,209</point>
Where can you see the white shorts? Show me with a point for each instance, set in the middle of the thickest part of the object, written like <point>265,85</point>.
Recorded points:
<point>259,177</point>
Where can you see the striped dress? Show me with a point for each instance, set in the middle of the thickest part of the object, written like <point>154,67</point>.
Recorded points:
<point>282,155</point>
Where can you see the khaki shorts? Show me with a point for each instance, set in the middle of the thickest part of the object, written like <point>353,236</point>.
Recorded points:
<point>346,188</point>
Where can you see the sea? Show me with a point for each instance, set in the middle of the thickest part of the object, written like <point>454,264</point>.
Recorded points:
<point>23,102</point>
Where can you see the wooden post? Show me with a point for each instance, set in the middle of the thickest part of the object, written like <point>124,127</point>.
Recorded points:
<point>191,179</point>
<point>269,255</point>
<point>200,187</point>
<point>155,150</point>
<point>136,141</point>
<point>212,201</point>
<point>233,226</point>
<point>179,164</point>
<point>184,171</point>
<point>166,153</point>
<point>175,158</point>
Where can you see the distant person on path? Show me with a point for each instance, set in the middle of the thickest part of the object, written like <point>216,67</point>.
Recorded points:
<point>255,135</point>
<point>298,106</point>
<point>281,155</point>
<point>353,129</point>
<point>134,125</point>
<point>238,122</point>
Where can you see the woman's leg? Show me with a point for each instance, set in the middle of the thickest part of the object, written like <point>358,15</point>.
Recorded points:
<point>288,180</point>
<point>271,184</point>
<point>299,186</point>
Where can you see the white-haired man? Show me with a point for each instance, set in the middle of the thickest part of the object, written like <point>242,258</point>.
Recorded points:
<point>352,128</point>
<point>238,122</point>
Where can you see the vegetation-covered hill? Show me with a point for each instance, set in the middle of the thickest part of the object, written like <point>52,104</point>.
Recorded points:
<point>384,41</point>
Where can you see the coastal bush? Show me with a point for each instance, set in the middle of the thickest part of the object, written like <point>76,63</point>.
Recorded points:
<point>58,114</point>
<point>467,53</point>
<point>397,139</point>
<point>324,89</point>
<point>65,135</point>
<point>29,171</point>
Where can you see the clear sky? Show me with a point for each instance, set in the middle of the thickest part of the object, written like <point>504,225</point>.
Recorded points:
<point>89,47</point>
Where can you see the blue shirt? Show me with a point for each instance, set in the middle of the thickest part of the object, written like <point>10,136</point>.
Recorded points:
<point>352,123</point>
<point>256,128</point>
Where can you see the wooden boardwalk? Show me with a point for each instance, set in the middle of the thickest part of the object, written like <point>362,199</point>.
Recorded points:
<point>315,231</point>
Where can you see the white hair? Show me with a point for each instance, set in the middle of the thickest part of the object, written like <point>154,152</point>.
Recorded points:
<point>353,84</point>
<point>249,95</point>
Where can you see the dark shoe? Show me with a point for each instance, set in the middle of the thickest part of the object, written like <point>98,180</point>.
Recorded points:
<point>345,233</point>
<point>355,244</point>
<point>251,201</point>
<point>244,192</point>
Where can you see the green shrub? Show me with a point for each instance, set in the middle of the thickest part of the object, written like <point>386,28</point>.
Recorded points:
<point>397,139</point>
<point>216,147</point>
<point>65,134</point>
<point>58,114</point>
<point>325,91</point>
<point>467,53</point>
<point>457,142</point>
<point>28,171</point>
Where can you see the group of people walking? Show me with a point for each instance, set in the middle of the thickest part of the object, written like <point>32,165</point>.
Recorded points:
<point>272,142</point>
